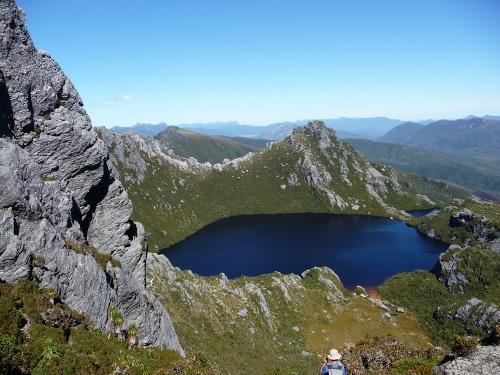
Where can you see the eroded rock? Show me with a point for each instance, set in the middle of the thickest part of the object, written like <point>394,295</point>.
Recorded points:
<point>64,217</point>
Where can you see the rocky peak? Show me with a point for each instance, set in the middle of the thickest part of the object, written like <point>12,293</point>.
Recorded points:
<point>64,216</point>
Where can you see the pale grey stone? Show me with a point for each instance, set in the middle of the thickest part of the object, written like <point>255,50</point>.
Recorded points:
<point>57,194</point>
<point>485,360</point>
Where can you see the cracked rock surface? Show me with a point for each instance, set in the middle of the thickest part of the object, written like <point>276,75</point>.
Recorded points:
<point>60,204</point>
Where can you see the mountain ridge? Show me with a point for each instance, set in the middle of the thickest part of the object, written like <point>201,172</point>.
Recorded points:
<point>205,148</point>
<point>309,171</point>
<point>433,164</point>
<point>477,139</point>
<point>350,126</point>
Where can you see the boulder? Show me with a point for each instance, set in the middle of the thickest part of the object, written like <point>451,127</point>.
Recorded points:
<point>458,219</point>
<point>484,360</point>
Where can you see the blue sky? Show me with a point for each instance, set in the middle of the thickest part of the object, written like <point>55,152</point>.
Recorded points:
<point>264,61</point>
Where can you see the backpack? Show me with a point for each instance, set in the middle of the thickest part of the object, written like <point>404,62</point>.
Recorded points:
<point>335,369</point>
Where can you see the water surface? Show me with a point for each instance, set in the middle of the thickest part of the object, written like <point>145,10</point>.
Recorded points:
<point>360,249</point>
<point>424,212</point>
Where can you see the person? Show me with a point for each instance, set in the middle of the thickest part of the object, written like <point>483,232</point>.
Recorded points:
<point>332,364</point>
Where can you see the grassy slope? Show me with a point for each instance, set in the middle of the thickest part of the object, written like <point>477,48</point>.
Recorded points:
<point>173,202</point>
<point>30,344</point>
<point>179,200</point>
<point>257,143</point>
<point>204,148</point>
<point>430,163</point>
<point>423,293</point>
<point>306,317</point>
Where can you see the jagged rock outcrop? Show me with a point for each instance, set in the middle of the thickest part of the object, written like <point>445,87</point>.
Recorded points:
<point>474,315</point>
<point>483,316</point>
<point>460,268</point>
<point>470,272</point>
<point>461,217</point>
<point>485,360</point>
<point>64,217</point>
<point>480,227</point>
<point>350,164</point>
<point>447,269</point>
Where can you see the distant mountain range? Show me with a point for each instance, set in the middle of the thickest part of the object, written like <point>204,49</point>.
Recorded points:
<point>431,164</point>
<point>465,152</point>
<point>441,150</point>
<point>344,126</point>
<point>474,138</point>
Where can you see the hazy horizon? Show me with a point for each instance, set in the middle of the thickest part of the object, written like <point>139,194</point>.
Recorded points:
<point>264,62</point>
<point>288,121</point>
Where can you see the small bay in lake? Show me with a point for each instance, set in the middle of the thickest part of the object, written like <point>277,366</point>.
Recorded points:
<point>424,212</point>
<point>362,250</point>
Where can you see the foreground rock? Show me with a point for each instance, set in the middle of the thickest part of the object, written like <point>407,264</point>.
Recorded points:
<point>485,360</point>
<point>64,217</point>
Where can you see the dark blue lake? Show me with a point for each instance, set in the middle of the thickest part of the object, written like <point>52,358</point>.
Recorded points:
<point>360,249</point>
<point>424,212</point>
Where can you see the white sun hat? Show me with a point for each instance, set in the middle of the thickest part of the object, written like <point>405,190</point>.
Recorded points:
<point>334,355</point>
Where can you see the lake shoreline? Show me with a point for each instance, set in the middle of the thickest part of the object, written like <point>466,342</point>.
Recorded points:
<point>362,250</point>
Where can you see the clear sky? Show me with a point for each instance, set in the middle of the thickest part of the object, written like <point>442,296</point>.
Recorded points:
<point>263,61</point>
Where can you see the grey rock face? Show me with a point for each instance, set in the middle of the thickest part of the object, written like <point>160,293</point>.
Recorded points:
<point>481,315</point>
<point>59,201</point>
<point>126,151</point>
<point>350,164</point>
<point>482,229</point>
<point>448,272</point>
<point>485,360</point>
<point>461,217</point>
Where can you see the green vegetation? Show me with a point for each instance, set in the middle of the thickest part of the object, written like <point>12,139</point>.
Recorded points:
<point>256,143</point>
<point>430,299</point>
<point>463,345</point>
<point>430,164</point>
<point>387,355</point>
<point>173,200</point>
<point>421,292</point>
<point>275,323</point>
<point>486,219</point>
<point>38,131</point>
<point>415,366</point>
<point>37,337</point>
<point>101,258</point>
<point>115,317</point>
<point>213,149</point>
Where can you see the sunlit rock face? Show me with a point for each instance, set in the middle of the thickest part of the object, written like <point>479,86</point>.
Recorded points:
<point>64,217</point>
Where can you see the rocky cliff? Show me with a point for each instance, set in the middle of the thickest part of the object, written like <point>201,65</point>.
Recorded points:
<point>64,217</point>
<point>309,171</point>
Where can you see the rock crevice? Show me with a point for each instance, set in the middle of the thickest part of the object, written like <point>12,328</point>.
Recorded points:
<point>64,217</point>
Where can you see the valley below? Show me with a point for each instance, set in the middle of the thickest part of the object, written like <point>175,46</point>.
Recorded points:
<point>306,244</point>
<point>189,254</point>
